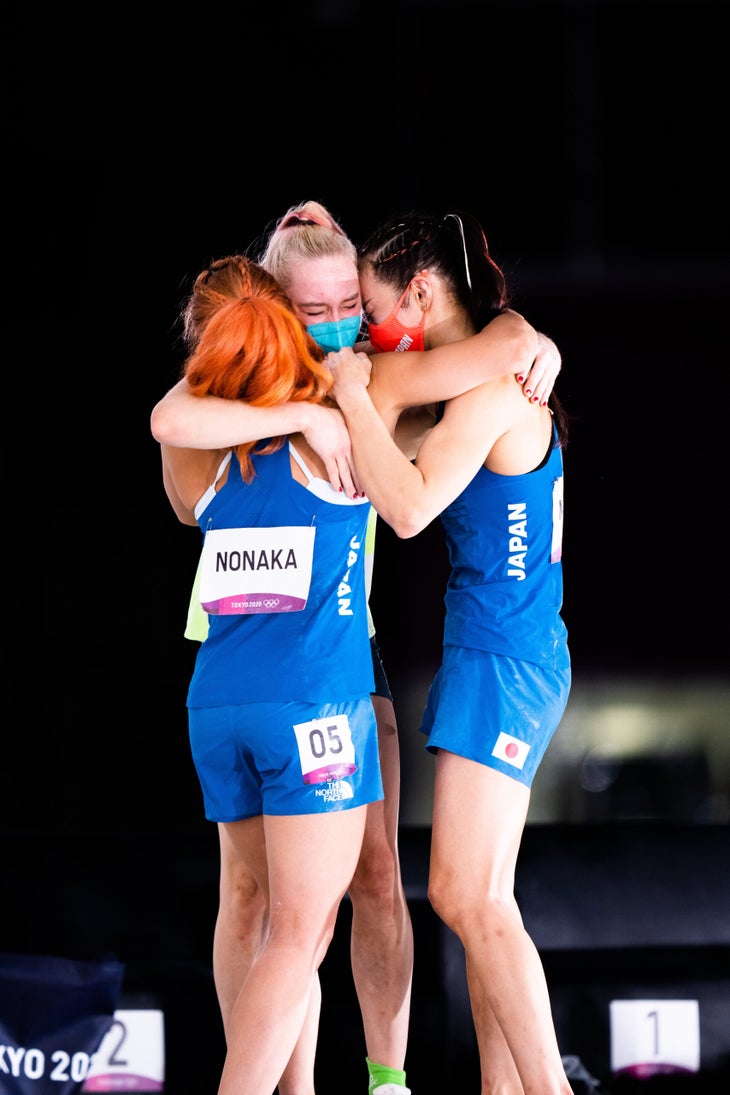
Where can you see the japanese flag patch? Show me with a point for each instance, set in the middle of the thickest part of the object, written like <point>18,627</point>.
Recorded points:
<point>511,750</point>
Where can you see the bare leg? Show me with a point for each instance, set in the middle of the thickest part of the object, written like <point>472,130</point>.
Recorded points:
<point>310,861</point>
<point>298,1076</point>
<point>478,820</point>
<point>239,933</point>
<point>382,934</point>
<point>239,926</point>
<point>498,1069</point>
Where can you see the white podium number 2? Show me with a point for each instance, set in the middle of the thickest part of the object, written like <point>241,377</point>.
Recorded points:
<point>649,1037</point>
<point>131,1056</point>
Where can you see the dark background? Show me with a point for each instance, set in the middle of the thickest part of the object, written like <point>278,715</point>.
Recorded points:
<point>590,140</point>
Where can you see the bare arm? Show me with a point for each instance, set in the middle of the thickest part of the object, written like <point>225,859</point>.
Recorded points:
<point>537,379</point>
<point>410,495</point>
<point>183,420</point>
<point>186,475</point>
<point>183,513</point>
<point>505,347</point>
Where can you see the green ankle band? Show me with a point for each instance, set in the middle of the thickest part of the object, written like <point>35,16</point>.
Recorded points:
<point>379,1074</point>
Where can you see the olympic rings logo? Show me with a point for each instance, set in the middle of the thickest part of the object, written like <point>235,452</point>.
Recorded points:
<point>270,602</point>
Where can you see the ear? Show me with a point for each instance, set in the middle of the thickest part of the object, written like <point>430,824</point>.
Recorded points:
<point>422,290</point>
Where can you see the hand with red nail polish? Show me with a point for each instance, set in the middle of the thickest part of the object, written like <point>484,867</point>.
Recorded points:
<point>543,374</point>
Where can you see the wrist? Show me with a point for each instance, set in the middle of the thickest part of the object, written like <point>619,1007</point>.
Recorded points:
<point>306,416</point>
<point>352,398</point>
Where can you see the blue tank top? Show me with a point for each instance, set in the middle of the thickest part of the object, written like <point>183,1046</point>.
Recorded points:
<point>505,590</point>
<point>320,654</point>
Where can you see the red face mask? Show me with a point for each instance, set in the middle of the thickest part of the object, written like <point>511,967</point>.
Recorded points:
<point>391,334</point>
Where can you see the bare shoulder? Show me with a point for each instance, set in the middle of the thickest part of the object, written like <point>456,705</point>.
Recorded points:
<point>512,433</point>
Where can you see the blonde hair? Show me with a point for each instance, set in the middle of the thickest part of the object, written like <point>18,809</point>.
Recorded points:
<point>306,231</point>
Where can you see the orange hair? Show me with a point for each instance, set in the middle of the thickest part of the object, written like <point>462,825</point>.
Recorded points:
<point>248,344</point>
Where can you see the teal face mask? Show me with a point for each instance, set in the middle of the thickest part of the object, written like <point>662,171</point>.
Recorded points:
<point>337,333</point>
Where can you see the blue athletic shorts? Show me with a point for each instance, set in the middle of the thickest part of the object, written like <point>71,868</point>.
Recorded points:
<point>285,758</point>
<point>495,710</point>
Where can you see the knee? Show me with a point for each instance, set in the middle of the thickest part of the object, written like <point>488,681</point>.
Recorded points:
<point>465,909</point>
<point>241,898</point>
<point>304,937</point>
<point>442,899</point>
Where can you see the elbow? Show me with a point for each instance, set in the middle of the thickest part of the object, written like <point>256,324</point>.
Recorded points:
<point>162,426</point>
<point>406,532</point>
<point>407,522</point>
<point>157,425</point>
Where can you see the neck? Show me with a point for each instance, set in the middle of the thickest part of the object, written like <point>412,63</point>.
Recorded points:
<point>447,327</point>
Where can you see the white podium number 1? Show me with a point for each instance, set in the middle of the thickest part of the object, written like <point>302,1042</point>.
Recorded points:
<point>654,1036</point>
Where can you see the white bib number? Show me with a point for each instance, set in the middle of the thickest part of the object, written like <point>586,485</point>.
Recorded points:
<point>326,750</point>
<point>251,570</point>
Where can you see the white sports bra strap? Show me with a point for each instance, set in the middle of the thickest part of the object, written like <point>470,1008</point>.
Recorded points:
<point>300,461</point>
<point>209,492</point>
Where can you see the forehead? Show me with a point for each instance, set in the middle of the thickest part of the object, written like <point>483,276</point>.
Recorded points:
<point>327,279</point>
<point>374,291</point>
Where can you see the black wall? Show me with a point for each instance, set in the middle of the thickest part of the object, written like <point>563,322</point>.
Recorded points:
<point>589,140</point>
<point>585,136</point>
